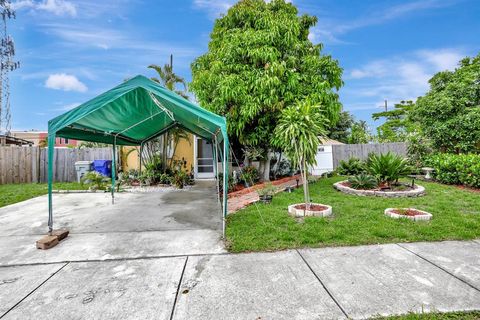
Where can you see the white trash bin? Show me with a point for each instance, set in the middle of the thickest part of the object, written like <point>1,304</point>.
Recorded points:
<point>82,167</point>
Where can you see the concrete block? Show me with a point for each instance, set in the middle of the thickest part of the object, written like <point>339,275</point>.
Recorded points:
<point>60,234</point>
<point>47,242</point>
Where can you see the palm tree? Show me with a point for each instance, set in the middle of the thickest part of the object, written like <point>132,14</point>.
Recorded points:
<point>298,134</point>
<point>169,79</point>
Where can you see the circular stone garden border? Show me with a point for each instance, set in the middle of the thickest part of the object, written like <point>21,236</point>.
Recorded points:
<point>424,215</point>
<point>417,192</point>
<point>299,213</point>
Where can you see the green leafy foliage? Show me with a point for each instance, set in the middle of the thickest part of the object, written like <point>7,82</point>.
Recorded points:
<point>297,134</point>
<point>95,180</point>
<point>397,123</point>
<point>180,179</point>
<point>456,168</point>
<point>341,130</point>
<point>363,182</point>
<point>260,62</point>
<point>359,133</point>
<point>387,167</point>
<point>249,175</point>
<point>268,190</point>
<point>352,166</point>
<point>449,114</point>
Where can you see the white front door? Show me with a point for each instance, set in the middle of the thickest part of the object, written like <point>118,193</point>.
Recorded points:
<point>203,155</point>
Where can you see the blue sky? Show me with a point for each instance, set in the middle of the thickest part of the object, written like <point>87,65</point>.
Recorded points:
<point>71,51</point>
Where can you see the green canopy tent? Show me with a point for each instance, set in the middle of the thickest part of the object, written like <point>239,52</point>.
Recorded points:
<point>131,114</point>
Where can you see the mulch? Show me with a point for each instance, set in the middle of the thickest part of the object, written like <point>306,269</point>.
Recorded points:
<point>258,186</point>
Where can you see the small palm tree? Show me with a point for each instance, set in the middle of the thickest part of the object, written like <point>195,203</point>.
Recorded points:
<point>169,79</point>
<point>298,134</point>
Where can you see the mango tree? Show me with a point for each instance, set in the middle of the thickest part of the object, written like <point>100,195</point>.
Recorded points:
<point>260,61</point>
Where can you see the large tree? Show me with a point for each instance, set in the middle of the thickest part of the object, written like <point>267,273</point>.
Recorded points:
<point>259,62</point>
<point>397,123</point>
<point>449,114</point>
<point>341,130</point>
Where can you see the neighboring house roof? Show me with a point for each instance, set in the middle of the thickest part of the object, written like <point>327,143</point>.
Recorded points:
<point>329,142</point>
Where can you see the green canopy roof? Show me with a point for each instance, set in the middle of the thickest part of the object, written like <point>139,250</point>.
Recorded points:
<point>134,112</point>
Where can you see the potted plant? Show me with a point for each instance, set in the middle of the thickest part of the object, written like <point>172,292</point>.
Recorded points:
<point>266,193</point>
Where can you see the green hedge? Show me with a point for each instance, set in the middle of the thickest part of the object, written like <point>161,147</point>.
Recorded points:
<point>456,168</point>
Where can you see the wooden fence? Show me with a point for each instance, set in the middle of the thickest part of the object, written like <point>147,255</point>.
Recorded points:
<point>361,151</point>
<point>30,164</point>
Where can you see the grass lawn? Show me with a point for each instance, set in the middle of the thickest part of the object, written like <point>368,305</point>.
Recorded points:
<point>355,221</point>
<point>471,315</point>
<point>13,193</point>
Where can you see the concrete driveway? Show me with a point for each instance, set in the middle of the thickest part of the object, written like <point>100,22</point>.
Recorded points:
<point>150,224</point>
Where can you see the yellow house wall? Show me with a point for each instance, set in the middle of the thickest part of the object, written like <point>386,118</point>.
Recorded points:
<point>130,160</point>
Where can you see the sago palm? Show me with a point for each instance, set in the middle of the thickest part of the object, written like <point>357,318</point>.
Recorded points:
<point>298,134</point>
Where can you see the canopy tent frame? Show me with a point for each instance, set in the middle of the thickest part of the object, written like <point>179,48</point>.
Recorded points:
<point>89,122</point>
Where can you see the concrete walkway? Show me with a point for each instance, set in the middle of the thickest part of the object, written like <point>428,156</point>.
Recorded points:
<point>326,283</point>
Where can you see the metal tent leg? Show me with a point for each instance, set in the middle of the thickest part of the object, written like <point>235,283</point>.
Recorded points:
<point>114,171</point>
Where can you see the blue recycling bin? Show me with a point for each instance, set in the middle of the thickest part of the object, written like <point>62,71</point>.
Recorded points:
<point>103,166</point>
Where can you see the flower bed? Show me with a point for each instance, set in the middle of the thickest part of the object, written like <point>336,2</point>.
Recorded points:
<point>343,186</point>
<point>315,210</point>
<point>408,213</point>
<point>260,186</point>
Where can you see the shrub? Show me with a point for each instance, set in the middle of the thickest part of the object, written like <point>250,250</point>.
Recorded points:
<point>180,179</point>
<point>387,167</point>
<point>352,166</point>
<point>363,182</point>
<point>231,182</point>
<point>456,168</point>
<point>249,175</point>
<point>95,180</point>
<point>268,190</point>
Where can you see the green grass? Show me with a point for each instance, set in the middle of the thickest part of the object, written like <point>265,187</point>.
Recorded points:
<point>13,193</point>
<point>356,220</point>
<point>469,315</point>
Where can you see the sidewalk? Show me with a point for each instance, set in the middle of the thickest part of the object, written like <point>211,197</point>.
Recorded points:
<point>325,283</point>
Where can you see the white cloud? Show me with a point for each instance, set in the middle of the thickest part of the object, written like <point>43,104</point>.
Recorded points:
<point>65,82</point>
<point>329,30</point>
<point>57,7</point>
<point>397,78</point>
<point>214,7</point>
<point>443,59</point>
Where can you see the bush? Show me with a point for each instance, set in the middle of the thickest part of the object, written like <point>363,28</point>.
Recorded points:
<point>95,180</point>
<point>456,168</point>
<point>387,167</point>
<point>363,182</point>
<point>231,182</point>
<point>180,179</point>
<point>352,166</point>
<point>249,175</point>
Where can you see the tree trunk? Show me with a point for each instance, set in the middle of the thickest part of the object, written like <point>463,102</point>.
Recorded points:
<point>305,185</point>
<point>264,169</point>
<point>277,166</point>
<point>164,152</point>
